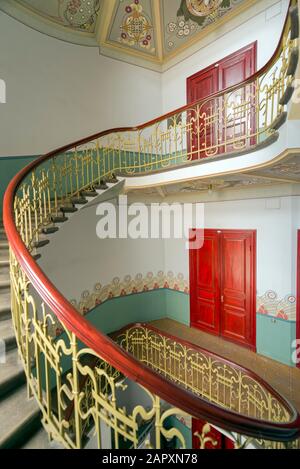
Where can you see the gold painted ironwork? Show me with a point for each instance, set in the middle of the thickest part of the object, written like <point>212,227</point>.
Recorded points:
<point>204,375</point>
<point>78,392</point>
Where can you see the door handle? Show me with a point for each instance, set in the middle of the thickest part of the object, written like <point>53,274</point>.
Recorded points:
<point>222,299</point>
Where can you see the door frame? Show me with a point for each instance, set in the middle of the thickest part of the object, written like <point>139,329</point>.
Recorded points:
<point>253,310</point>
<point>298,292</point>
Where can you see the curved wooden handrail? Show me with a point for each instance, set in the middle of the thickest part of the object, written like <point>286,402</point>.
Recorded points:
<point>104,346</point>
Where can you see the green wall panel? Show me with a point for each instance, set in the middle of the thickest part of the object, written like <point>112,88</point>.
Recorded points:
<point>143,307</point>
<point>275,338</point>
<point>9,167</point>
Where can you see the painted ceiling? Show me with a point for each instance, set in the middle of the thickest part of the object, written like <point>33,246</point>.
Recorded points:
<point>146,32</point>
<point>286,171</point>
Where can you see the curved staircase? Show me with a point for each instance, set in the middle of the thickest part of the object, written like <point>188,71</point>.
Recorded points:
<point>56,342</point>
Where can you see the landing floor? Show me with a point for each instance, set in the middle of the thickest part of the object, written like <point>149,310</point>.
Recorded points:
<point>282,378</point>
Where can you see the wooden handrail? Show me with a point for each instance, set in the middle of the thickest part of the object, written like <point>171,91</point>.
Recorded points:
<point>104,346</point>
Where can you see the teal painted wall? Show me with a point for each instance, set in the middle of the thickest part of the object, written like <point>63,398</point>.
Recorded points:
<point>173,422</point>
<point>9,167</point>
<point>275,338</point>
<point>116,313</point>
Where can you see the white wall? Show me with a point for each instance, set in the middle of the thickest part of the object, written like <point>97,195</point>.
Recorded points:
<point>59,92</point>
<point>276,222</point>
<point>76,259</point>
<point>68,261</point>
<point>264,27</point>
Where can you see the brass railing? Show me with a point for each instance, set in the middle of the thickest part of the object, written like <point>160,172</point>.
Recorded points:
<point>57,345</point>
<point>207,375</point>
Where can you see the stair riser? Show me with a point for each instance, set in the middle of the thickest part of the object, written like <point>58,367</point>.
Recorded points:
<point>4,315</point>
<point>12,384</point>
<point>10,344</point>
<point>22,433</point>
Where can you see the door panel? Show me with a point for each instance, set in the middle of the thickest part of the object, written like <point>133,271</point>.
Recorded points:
<point>240,120</point>
<point>205,291</point>
<point>237,286</point>
<point>223,277</point>
<point>203,128</point>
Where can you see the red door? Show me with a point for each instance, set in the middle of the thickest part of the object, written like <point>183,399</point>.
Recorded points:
<point>223,293</point>
<point>216,440</point>
<point>216,125</point>
<point>203,127</point>
<point>205,283</point>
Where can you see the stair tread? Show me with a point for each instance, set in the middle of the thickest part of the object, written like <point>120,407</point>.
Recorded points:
<point>4,300</point>
<point>4,274</point>
<point>6,330</point>
<point>11,368</point>
<point>4,255</point>
<point>41,441</point>
<point>15,410</point>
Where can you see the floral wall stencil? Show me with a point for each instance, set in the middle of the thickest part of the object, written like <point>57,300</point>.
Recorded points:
<point>282,308</point>
<point>130,286</point>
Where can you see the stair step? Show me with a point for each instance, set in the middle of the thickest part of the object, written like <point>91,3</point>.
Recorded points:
<point>89,193</point>
<point>102,186</point>
<point>69,209</point>
<point>50,230</point>
<point>5,284</point>
<point>41,243</point>
<point>19,417</point>
<point>5,307</point>
<point>79,201</point>
<point>4,273</point>
<point>113,179</point>
<point>4,245</point>
<point>7,334</point>
<point>12,374</point>
<point>4,263</point>
<point>40,440</point>
<point>4,254</point>
<point>59,219</point>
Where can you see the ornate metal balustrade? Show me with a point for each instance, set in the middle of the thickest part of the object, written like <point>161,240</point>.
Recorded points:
<point>207,375</point>
<point>77,375</point>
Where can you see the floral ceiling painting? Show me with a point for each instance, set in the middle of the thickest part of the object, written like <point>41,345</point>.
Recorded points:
<point>78,14</point>
<point>149,33</point>
<point>133,25</point>
<point>191,17</point>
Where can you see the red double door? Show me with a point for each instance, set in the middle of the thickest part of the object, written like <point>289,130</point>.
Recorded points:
<point>213,123</point>
<point>223,285</point>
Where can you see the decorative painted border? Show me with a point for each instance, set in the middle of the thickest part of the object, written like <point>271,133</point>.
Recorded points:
<point>270,304</point>
<point>130,286</point>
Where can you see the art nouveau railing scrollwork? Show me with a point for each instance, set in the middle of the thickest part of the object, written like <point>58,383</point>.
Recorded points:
<point>83,380</point>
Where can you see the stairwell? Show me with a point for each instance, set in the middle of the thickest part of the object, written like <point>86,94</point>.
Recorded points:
<point>20,418</point>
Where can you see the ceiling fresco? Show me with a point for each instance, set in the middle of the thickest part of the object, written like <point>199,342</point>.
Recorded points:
<point>77,14</point>
<point>145,32</point>
<point>286,171</point>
